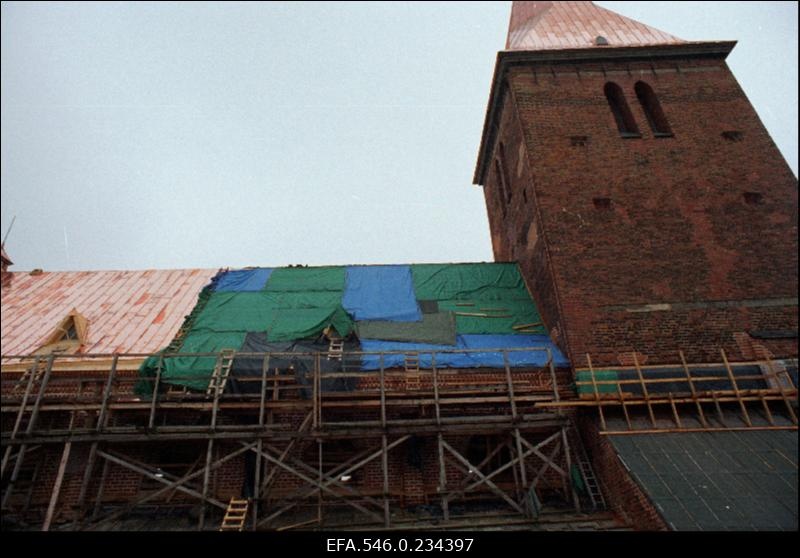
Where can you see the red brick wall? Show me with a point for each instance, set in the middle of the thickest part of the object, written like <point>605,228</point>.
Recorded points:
<point>678,229</point>
<point>622,494</point>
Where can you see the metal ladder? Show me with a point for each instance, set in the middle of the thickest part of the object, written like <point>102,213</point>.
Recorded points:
<point>222,370</point>
<point>235,515</point>
<point>585,468</point>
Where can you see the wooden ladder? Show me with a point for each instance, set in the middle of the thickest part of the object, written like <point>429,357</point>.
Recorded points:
<point>222,370</point>
<point>235,515</point>
<point>336,348</point>
<point>585,468</point>
<point>411,364</point>
<point>37,369</point>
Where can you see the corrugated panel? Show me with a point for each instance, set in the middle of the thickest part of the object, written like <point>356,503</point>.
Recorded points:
<point>127,311</point>
<point>564,25</point>
<point>717,481</point>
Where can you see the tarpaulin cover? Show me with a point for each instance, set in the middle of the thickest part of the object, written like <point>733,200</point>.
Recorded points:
<point>193,372</point>
<point>381,292</point>
<point>437,329</point>
<point>599,376</point>
<point>491,305</point>
<point>283,315</point>
<point>246,372</point>
<point>478,281</point>
<point>243,280</point>
<point>306,279</point>
<point>488,359</point>
<point>300,323</point>
<point>486,298</point>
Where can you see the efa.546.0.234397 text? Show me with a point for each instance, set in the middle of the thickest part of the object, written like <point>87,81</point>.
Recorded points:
<point>398,545</point>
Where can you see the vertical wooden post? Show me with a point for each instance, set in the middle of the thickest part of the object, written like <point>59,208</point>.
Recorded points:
<point>319,391</point>
<point>259,447</point>
<point>101,418</point>
<point>206,478</point>
<point>99,498</point>
<point>315,392</point>
<point>732,378</point>
<point>553,377</point>
<point>512,400</point>
<point>152,421</point>
<point>596,393</point>
<point>87,477</point>
<point>644,389</point>
<point>440,439</point>
<point>385,454</point>
<point>319,480</point>
<point>575,500</point>
<point>62,466</point>
<point>700,413</point>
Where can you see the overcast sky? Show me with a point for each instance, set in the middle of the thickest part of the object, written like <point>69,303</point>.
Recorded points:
<point>173,135</point>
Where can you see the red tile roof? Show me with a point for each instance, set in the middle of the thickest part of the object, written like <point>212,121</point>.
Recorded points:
<point>568,25</point>
<point>127,311</point>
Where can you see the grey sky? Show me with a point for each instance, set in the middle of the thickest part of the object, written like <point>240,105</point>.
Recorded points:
<point>161,135</point>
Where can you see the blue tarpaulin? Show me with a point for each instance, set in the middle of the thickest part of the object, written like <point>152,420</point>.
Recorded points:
<point>381,292</point>
<point>242,280</point>
<point>489,359</point>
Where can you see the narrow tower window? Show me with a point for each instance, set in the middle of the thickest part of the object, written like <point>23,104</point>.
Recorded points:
<point>622,114</point>
<point>498,175</point>
<point>652,110</point>
<point>504,173</point>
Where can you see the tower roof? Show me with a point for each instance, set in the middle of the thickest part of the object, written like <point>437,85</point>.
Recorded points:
<point>570,25</point>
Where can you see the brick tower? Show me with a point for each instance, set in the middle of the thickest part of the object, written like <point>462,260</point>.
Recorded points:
<point>647,205</point>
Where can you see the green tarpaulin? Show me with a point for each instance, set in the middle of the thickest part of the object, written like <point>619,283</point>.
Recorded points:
<point>434,329</point>
<point>599,376</point>
<point>307,279</point>
<point>478,281</point>
<point>486,298</point>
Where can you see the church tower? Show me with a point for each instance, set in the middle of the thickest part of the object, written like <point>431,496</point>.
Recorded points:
<point>629,175</point>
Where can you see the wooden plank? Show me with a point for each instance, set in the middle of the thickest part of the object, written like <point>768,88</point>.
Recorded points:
<point>576,502</point>
<point>170,485</point>
<point>675,412</point>
<point>62,466</point>
<point>387,518</point>
<point>789,407</point>
<point>206,477</point>
<point>700,413</point>
<point>156,383</point>
<point>644,388</point>
<point>492,486</point>
<point>312,481</point>
<point>596,393</point>
<point>624,406</point>
<point>102,418</point>
<point>732,379</point>
<point>443,477</point>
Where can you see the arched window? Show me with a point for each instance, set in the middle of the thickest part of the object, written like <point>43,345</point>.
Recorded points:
<point>622,114</point>
<point>652,109</point>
